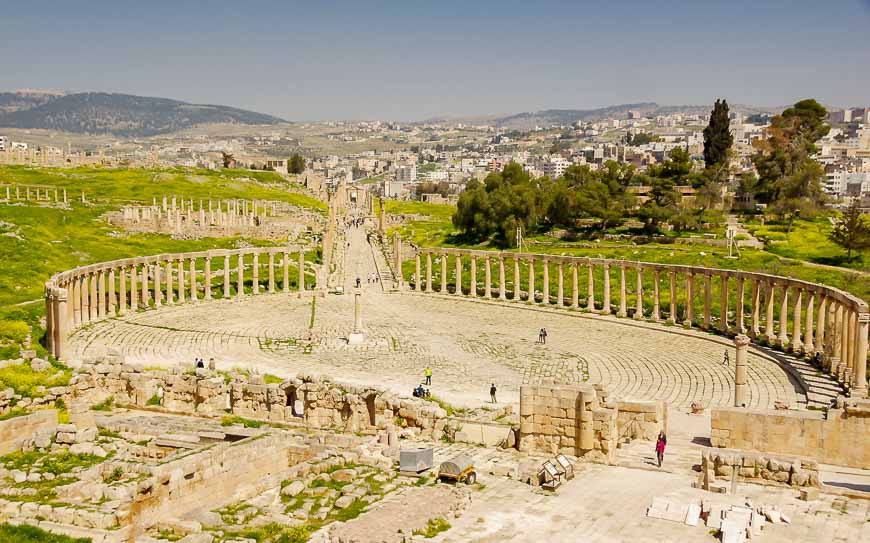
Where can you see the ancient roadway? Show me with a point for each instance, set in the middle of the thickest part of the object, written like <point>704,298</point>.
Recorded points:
<point>467,344</point>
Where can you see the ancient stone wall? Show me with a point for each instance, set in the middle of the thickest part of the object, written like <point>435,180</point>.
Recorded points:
<point>18,430</point>
<point>725,465</point>
<point>842,436</point>
<point>641,420</point>
<point>567,420</point>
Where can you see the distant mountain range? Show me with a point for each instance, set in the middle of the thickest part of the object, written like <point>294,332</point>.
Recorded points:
<point>122,115</point>
<point>564,117</point>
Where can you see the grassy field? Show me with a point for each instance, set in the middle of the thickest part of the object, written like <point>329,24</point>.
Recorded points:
<point>37,241</point>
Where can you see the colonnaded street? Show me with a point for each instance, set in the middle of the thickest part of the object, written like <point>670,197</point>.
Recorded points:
<point>467,344</point>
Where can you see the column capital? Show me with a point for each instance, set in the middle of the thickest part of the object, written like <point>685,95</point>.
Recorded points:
<point>741,340</point>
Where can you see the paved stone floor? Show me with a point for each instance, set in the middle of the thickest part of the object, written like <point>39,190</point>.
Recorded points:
<point>468,344</point>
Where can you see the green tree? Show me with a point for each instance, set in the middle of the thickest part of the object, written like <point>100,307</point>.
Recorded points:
<point>853,231</point>
<point>662,203</point>
<point>227,158</point>
<point>717,135</point>
<point>296,164</point>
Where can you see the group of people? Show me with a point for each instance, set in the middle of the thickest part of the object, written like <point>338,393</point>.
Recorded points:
<point>199,363</point>
<point>422,390</point>
<point>542,336</point>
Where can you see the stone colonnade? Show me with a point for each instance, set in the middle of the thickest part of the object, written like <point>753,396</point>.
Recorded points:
<point>90,293</point>
<point>813,320</point>
<point>35,193</point>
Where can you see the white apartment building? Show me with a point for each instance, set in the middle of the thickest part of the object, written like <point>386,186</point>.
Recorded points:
<point>406,174</point>
<point>555,167</point>
<point>4,143</point>
<point>842,183</point>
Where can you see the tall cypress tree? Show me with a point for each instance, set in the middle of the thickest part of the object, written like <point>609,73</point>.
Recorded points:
<point>717,136</point>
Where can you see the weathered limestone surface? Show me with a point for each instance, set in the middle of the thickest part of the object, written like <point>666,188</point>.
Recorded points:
<point>18,430</point>
<point>841,437</point>
<point>784,470</point>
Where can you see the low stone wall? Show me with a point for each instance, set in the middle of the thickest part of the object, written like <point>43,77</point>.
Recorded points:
<point>726,464</point>
<point>317,402</point>
<point>17,431</point>
<point>567,420</point>
<point>842,436</point>
<point>641,420</point>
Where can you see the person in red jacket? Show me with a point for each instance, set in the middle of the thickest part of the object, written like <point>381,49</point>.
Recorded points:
<point>660,447</point>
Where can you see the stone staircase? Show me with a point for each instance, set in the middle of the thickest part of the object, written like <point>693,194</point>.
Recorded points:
<point>821,388</point>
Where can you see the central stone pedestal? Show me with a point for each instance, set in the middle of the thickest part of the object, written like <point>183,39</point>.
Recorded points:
<point>356,338</point>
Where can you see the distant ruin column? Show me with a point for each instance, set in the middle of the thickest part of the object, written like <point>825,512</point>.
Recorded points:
<point>836,337</point>
<point>357,312</point>
<point>501,279</point>
<point>256,273</point>
<point>94,297</point>
<point>575,286</point>
<point>397,259</point>
<point>110,310</point>
<point>122,290</point>
<point>606,305</point>
<point>723,304</point>
<point>545,289</point>
<point>741,388</point>
<point>487,275</point>
<point>458,273</point>
<point>271,272</point>
<point>443,273</point>
<point>859,385</point>
<point>740,307</point>
<point>472,284</point>
<point>590,288</point>
<point>428,272</point>
<point>756,308</point>
<point>144,300</point>
<point>560,287</point>
<point>656,312</point>
<point>783,318</point>
<point>808,347</point>
<point>207,285</point>
<point>708,294</point>
<point>623,310</point>
<point>821,325</point>
<point>768,312</point>
<point>226,276</point>
<point>193,288</point>
<point>85,303</point>
<point>50,322</point>
<point>849,346</point>
<point>285,270</point>
<point>796,343</point>
<point>181,287</point>
<point>170,285</point>
<point>672,318</point>
<point>301,271</point>
<point>240,276</point>
<point>531,295</point>
<point>690,306</point>
<point>134,291</point>
<point>638,311</point>
<point>417,278</point>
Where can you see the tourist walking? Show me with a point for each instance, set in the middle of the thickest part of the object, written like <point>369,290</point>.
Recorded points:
<point>428,374</point>
<point>544,336</point>
<point>726,361</point>
<point>541,335</point>
<point>660,447</point>
<point>492,391</point>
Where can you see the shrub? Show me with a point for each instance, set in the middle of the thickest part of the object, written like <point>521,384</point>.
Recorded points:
<point>14,331</point>
<point>25,381</point>
<point>105,405</point>
<point>247,423</point>
<point>32,534</point>
<point>153,400</point>
<point>434,527</point>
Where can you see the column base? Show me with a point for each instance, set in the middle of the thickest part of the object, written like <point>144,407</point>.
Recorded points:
<point>859,393</point>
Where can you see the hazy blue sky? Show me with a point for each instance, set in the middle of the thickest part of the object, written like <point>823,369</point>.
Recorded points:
<point>413,60</point>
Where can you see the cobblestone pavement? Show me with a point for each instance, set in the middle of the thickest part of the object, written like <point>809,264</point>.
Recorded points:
<point>467,344</point>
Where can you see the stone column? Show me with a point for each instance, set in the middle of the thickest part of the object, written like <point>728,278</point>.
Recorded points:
<point>656,312</point>
<point>768,313</point>
<point>821,325</point>
<point>158,294</point>
<point>110,310</point>
<point>741,388</point>
<point>545,289</point>
<point>170,286</point>
<point>783,318</point>
<point>487,277</point>
<point>101,293</point>
<point>255,268</point>
<point>517,281</point>
<point>638,312</point>
<point>144,300</point>
<point>848,359</point>
<point>690,306</point>
<point>501,279</point>
<point>836,337</point>
<point>723,304</point>
<point>240,276</point>
<point>192,275</point>
<point>756,308</point>
<point>428,272</point>
<point>134,292</point>
<point>271,272</point>
<point>739,321</point>
<point>458,272</point>
<point>417,278</point>
<point>708,289</point>
<point>531,297</point>
<point>859,385</point>
<point>301,271</point>
<point>285,272</point>
<point>226,276</point>
<point>443,273</point>
<point>357,312</point>
<point>207,270</point>
<point>796,344</point>
<point>472,280</point>
<point>575,286</point>
<point>50,318</point>
<point>560,287</point>
<point>122,290</point>
<point>672,318</point>
<point>61,324</point>
<point>622,301</point>
<point>181,287</point>
<point>86,298</point>
<point>809,347</point>
<point>397,257</point>
<point>93,296</point>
